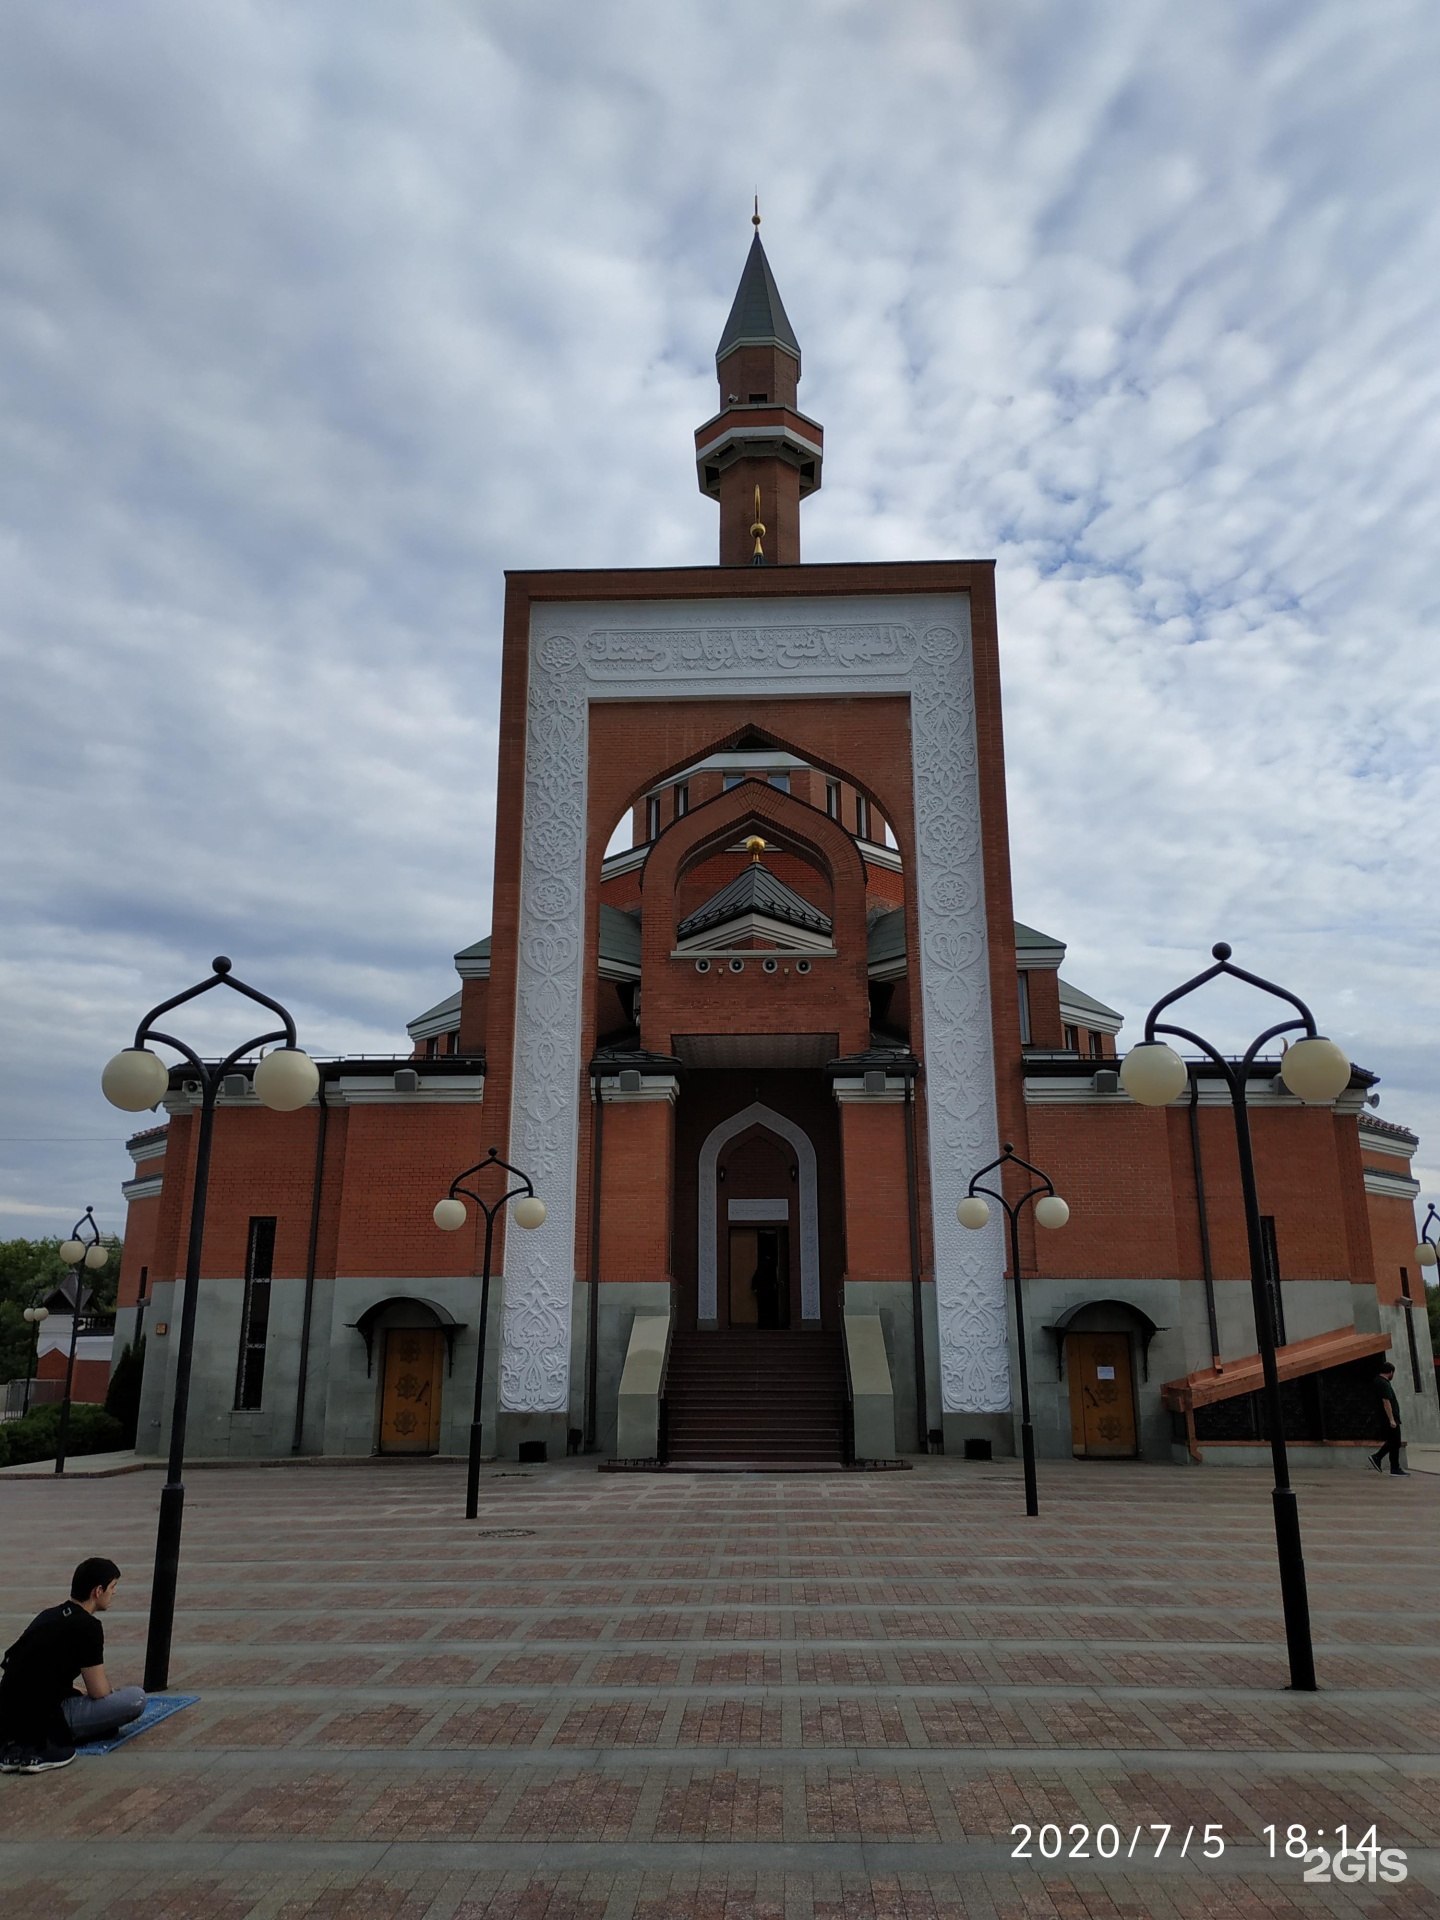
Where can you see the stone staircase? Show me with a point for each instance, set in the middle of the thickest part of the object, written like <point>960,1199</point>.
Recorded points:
<point>742,1397</point>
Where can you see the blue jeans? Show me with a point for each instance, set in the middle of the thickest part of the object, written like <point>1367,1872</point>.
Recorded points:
<point>98,1719</point>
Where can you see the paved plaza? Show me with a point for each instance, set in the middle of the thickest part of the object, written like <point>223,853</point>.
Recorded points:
<point>737,1695</point>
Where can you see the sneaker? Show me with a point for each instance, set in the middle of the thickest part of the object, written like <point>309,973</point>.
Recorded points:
<point>1399,1473</point>
<point>1375,1466</point>
<point>46,1760</point>
<point>12,1759</point>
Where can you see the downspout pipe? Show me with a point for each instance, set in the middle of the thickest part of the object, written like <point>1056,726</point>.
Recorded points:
<point>592,1338</point>
<point>316,1187</point>
<point>1203,1215</point>
<point>917,1294</point>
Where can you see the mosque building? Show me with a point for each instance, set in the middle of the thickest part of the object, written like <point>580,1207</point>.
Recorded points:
<point>750,1062</point>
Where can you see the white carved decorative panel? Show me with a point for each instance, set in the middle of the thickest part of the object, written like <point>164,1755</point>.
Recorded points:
<point>903,644</point>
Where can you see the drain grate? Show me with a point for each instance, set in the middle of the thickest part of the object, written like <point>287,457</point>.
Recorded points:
<point>505,1533</point>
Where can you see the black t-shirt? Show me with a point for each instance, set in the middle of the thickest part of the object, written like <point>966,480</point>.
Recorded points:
<point>1385,1394</point>
<point>40,1670</point>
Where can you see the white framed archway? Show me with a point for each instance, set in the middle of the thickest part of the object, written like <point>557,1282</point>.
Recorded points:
<point>916,645</point>
<point>708,1253</point>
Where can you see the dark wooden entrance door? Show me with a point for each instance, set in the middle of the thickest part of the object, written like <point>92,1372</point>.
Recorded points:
<point>760,1276</point>
<point>410,1397</point>
<point>1102,1396</point>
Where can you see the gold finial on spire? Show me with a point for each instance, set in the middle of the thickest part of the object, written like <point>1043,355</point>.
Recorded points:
<point>755,217</point>
<point>757,531</point>
<point>755,846</point>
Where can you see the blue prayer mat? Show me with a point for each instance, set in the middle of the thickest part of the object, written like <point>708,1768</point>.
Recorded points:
<point>158,1707</point>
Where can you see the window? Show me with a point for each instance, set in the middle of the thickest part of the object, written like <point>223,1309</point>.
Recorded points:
<point>145,1284</point>
<point>1024,986</point>
<point>1270,1257</point>
<point>652,817</point>
<point>682,800</point>
<point>832,799</point>
<point>1097,1046</point>
<point>759,399</point>
<point>780,780</point>
<point>255,1314</point>
<point>733,780</point>
<point>862,817</point>
<point>1070,1039</point>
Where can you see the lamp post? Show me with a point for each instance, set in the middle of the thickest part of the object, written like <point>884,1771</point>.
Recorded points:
<point>1317,1072</point>
<point>1050,1211</point>
<point>1427,1254</point>
<point>1427,1248</point>
<point>76,1253</point>
<point>450,1216</point>
<point>284,1080</point>
<point>33,1315</point>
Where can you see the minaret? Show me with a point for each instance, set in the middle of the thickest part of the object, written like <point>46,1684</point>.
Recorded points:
<point>758,448</point>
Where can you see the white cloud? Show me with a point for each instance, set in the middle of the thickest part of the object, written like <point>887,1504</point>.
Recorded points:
<point>315,319</point>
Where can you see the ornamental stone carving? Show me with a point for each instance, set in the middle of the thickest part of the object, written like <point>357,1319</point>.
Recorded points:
<point>918,645</point>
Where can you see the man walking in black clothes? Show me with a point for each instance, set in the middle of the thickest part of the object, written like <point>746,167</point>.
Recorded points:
<point>1390,1423</point>
<point>42,1718</point>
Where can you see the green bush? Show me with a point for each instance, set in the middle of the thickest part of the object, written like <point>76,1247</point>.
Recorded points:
<point>122,1397</point>
<point>92,1430</point>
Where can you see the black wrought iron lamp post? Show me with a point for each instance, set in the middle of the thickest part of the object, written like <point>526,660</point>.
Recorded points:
<point>76,1253</point>
<point>450,1216</point>
<point>1427,1254</point>
<point>284,1080</point>
<point>1049,1211</point>
<point>1316,1071</point>
<point>33,1317</point>
<point>1427,1248</point>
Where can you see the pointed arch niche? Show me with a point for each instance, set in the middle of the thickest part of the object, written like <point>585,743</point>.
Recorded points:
<point>707,1260</point>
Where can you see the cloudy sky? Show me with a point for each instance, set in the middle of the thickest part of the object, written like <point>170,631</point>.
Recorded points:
<point>315,316</point>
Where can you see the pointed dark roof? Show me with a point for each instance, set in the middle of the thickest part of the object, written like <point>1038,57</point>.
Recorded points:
<point>758,317</point>
<point>756,890</point>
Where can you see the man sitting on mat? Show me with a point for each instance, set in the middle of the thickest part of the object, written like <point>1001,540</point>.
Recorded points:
<point>42,1719</point>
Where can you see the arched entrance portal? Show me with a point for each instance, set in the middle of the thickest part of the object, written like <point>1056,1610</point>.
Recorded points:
<point>766,1149</point>
<point>413,1341</point>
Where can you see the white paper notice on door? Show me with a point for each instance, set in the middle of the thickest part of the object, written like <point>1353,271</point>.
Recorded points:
<point>1104,1373</point>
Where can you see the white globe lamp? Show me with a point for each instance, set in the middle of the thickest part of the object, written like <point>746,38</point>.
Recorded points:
<point>1316,1071</point>
<point>1051,1211</point>
<point>1153,1074</point>
<point>449,1215</point>
<point>286,1080</point>
<point>530,1212</point>
<point>96,1256</point>
<point>1425,1254</point>
<point>973,1212</point>
<point>135,1079</point>
<point>72,1252</point>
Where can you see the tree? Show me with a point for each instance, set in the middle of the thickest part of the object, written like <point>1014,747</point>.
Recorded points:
<point>29,1269</point>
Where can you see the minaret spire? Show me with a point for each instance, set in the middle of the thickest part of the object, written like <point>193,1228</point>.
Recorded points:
<point>759,448</point>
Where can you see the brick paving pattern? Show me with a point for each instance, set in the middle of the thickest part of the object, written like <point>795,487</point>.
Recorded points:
<point>715,1697</point>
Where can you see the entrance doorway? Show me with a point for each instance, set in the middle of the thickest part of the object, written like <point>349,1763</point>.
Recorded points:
<point>1102,1396</point>
<point>410,1395</point>
<point>760,1277</point>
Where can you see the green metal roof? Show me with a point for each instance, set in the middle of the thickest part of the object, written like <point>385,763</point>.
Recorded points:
<point>754,890</point>
<point>1073,1000</point>
<point>1029,937</point>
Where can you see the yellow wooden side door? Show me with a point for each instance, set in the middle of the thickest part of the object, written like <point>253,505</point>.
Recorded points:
<point>410,1399</point>
<point>1102,1396</point>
